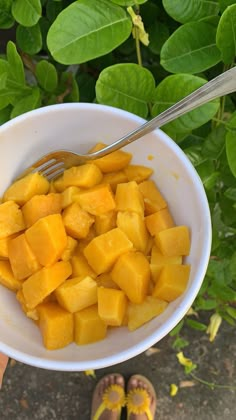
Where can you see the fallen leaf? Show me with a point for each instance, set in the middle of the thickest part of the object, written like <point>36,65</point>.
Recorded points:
<point>151,351</point>
<point>24,403</point>
<point>186,384</point>
<point>173,390</point>
<point>90,372</point>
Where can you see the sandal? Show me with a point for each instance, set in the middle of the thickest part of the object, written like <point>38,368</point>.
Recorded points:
<point>108,398</point>
<point>141,399</point>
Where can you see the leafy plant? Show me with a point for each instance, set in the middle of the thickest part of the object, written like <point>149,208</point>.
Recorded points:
<point>142,56</point>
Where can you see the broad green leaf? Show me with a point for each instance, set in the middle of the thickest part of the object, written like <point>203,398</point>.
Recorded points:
<point>128,2</point>
<point>52,10</point>
<point>6,18</point>
<point>171,90</point>
<point>27,12</point>
<point>46,75</point>
<point>231,151</point>
<point>180,343</point>
<point>27,103</point>
<point>199,326</point>
<point>3,80</point>
<point>230,193</point>
<point>226,35</point>
<point>5,114</point>
<point>189,10</point>
<point>87,29</point>
<point>68,90</point>
<point>194,154</point>
<point>205,304</point>
<point>29,39</point>
<point>225,3</point>
<point>224,293</point>
<point>207,173</point>
<point>231,311</point>
<point>126,86</point>
<point>158,34</point>
<point>177,329</point>
<point>215,142</point>
<point>4,67</point>
<point>16,68</point>
<point>191,48</point>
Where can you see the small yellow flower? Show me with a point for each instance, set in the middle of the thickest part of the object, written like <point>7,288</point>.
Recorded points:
<point>90,372</point>
<point>173,390</point>
<point>138,23</point>
<point>214,325</point>
<point>184,360</point>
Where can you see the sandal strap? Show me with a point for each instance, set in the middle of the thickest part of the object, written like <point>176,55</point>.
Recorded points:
<point>147,412</point>
<point>102,407</point>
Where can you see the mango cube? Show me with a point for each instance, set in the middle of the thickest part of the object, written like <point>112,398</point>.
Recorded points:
<point>105,222</point>
<point>139,314</point>
<point>77,293</point>
<point>40,206</point>
<point>70,248</point>
<point>85,176</point>
<point>77,221</point>
<point>172,282</point>
<point>158,258</point>
<point>105,280</point>
<point>174,241</point>
<point>114,178</point>
<point>115,161</point>
<point>7,278</point>
<point>133,226</point>
<point>158,221</point>
<point>22,259</point>
<point>112,305</point>
<point>129,198</point>
<point>88,326</point>
<point>11,219</point>
<point>132,274</point>
<point>138,173</point>
<point>30,313</point>
<point>80,266</point>
<point>47,238</point>
<point>4,246</point>
<point>56,326</point>
<point>97,200</point>
<point>25,188</point>
<point>103,250</point>
<point>41,284</point>
<point>153,200</point>
<point>68,196</point>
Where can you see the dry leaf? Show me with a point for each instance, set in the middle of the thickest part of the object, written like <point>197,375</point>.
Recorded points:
<point>151,351</point>
<point>24,403</point>
<point>186,384</point>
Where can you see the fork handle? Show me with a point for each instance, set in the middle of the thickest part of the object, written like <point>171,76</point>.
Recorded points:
<point>219,86</point>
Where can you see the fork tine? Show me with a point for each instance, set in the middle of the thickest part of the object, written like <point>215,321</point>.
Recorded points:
<point>53,172</point>
<point>46,170</point>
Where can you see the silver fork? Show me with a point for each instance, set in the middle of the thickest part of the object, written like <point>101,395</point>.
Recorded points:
<point>53,164</point>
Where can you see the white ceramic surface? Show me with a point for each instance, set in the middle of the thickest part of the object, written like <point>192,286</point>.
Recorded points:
<point>78,127</point>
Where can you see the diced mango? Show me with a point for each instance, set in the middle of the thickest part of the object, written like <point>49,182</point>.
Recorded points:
<point>56,326</point>
<point>25,188</point>
<point>155,271</point>
<point>104,250</point>
<point>77,221</point>
<point>172,282</point>
<point>80,266</point>
<point>115,161</point>
<point>85,176</point>
<point>132,274</point>
<point>4,246</point>
<point>158,221</point>
<point>114,178</point>
<point>105,222</point>
<point>174,241</point>
<point>158,258</point>
<point>47,238</point>
<point>11,219</point>
<point>41,284</point>
<point>77,293</point>
<point>133,226</point>
<point>138,173</point>
<point>68,196</point>
<point>139,314</point>
<point>88,326</point>
<point>82,243</point>
<point>7,278</point>
<point>70,248</point>
<point>30,313</point>
<point>112,305</point>
<point>40,206</point>
<point>129,198</point>
<point>97,200</point>
<point>153,200</point>
<point>22,259</point>
<point>105,280</point>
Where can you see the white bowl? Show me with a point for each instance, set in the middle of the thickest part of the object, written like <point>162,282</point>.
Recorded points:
<point>77,127</point>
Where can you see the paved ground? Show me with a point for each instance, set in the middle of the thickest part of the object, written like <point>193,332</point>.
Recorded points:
<point>32,394</point>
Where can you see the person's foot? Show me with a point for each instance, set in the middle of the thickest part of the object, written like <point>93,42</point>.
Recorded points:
<point>141,399</point>
<point>108,398</point>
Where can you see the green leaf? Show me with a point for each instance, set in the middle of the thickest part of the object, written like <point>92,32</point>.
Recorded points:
<point>68,88</point>
<point>196,325</point>
<point>180,343</point>
<point>86,84</point>
<point>16,68</point>
<point>215,142</point>
<point>158,34</point>
<point>53,9</point>
<point>231,151</point>
<point>232,266</point>
<point>87,29</point>
<point>27,103</point>
<point>207,173</point>
<point>5,114</point>
<point>224,293</point>
<point>6,18</point>
<point>194,153</point>
<point>226,35</point>
<point>46,75</point>
<point>29,39</point>
<point>189,10</point>
<point>128,2</point>
<point>171,90</point>
<point>225,3</point>
<point>177,329</point>
<point>205,304</point>
<point>230,193</point>
<point>191,49</point>
<point>126,86</point>
<point>231,311</point>
<point>27,12</point>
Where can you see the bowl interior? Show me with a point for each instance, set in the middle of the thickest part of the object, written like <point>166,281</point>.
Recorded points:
<point>77,127</point>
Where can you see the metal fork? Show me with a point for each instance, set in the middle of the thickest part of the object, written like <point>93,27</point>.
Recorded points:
<point>53,164</point>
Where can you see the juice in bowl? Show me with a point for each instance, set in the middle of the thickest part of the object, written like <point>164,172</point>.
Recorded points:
<point>80,127</point>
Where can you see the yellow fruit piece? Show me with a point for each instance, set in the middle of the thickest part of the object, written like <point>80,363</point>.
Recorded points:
<point>97,200</point>
<point>77,221</point>
<point>30,313</point>
<point>40,206</point>
<point>41,284</point>
<point>132,274</point>
<point>47,238</point>
<point>70,248</point>
<point>159,221</point>
<point>174,241</point>
<point>25,188</point>
<point>7,278</point>
<point>82,243</point>
<point>153,200</point>
<point>105,222</point>
<point>56,326</point>
<point>138,173</point>
<point>89,327</point>
<point>129,198</point>
<point>155,271</point>
<point>172,282</point>
<point>80,266</point>
<point>112,305</point>
<point>158,258</point>
<point>4,246</point>
<point>11,219</point>
<point>133,226</point>
<point>114,178</point>
<point>113,162</point>
<point>85,176</point>
<point>52,188</point>
<point>105,280</point>
<point>77,293</point>
<point>139,314</point>
<point>68,196</point>
<point>22,259</point>
<point>103,250</point>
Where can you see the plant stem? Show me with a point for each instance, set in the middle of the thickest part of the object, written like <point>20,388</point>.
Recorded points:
<point>137,44</point>
<point>211,384</point>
